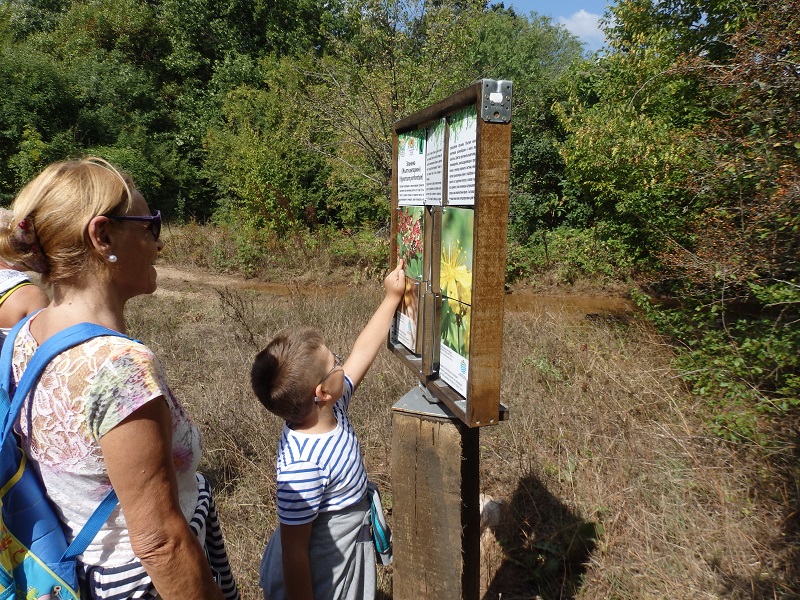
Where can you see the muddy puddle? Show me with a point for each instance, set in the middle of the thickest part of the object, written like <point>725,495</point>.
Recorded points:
<point>572,305</point>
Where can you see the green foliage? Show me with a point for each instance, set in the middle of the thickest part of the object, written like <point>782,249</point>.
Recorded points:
<point>265,179</point>
<point>30,16</point>
<point>397,57</point>
<point>693,27</point>
<point>630,167</point>
<point>274,114</point>
<point>543,53</point>
<point>569,254</point>
<point>36,116</point>
<point>743,359</point>
<point>362,249</point>
<point>683,140</point>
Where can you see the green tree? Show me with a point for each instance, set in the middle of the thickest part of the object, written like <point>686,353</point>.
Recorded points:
<point>398,57</point>
<point>36,116</point>
<point>684,140</point>
<point>536,55</point>
<point>266,180</point>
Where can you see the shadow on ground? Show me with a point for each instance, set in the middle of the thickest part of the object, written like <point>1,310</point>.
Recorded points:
<point>545,547</point>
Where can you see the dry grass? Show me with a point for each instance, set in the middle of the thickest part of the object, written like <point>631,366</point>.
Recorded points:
<point>609,486</point>
<point>602,438</point>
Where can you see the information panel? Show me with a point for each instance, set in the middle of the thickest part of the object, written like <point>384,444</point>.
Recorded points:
<point>449,223</point>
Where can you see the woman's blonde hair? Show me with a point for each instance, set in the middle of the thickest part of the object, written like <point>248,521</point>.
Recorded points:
<point>59,204</point>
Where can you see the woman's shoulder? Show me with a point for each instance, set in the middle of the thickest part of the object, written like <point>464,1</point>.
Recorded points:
<point>118,348</point>
<point>9,278</point>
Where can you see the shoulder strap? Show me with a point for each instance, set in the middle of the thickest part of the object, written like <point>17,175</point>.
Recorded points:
<point>52,347</point>
<point>91,527</point>
<point>6,358</point>
<point>4,296</point>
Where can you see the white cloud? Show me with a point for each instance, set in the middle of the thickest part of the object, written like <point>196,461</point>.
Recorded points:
<point>586,26</point>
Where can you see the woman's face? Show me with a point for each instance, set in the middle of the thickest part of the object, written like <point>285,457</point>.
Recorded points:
<point>136,251</point>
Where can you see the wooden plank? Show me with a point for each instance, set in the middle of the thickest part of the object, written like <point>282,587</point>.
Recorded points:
<point>430,313</point>
<point>393,229</point>
<point>488,283</point>
<point>436,520</point>
<point>465,97</point>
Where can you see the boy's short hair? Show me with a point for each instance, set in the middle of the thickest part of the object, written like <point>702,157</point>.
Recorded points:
<point>283,374</point>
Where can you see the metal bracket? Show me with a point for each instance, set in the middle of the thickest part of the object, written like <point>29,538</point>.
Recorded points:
<point>496,97</point>
<point>419,402</point>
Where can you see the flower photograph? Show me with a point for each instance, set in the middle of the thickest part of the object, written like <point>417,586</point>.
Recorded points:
<point>409,239</point>
<point>455,326</point>
<point>408,317</point>
<point>455,277</point>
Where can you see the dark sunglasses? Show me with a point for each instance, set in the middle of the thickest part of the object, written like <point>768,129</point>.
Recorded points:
<point>154,221</point>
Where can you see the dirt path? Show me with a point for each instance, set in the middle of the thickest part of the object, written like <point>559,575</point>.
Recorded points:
<point>181,281</point>
<point>173,278</point>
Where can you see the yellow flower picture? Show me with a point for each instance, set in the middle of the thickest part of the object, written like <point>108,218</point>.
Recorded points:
<point>455,277</point>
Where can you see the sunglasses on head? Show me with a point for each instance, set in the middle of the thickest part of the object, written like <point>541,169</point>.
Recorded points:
<point>154,222</point>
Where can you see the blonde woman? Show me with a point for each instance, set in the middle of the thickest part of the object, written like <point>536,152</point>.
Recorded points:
<point>102,414</point>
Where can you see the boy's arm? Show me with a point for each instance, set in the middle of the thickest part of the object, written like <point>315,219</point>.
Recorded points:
<point>296,564</point>
<point>372,338</point>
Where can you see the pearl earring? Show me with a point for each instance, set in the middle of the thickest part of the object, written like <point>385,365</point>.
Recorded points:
<point>112,258</point>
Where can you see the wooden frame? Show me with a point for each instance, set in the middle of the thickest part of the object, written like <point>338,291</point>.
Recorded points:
<point>481,406</point>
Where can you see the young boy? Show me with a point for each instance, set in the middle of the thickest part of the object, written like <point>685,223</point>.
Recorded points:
<point>323,547</point>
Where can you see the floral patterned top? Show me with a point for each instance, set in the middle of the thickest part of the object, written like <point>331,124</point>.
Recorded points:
<point>83,394</point>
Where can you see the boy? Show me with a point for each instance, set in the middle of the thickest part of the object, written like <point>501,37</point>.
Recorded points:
<point>323,547</point>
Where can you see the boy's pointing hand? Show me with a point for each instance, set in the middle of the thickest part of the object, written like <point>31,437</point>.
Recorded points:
<point>395,282</point>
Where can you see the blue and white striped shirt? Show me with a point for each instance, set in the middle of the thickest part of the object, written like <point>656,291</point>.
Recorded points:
<point>321,472</point>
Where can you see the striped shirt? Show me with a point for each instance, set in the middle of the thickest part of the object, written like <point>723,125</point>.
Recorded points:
<point>321,472</point>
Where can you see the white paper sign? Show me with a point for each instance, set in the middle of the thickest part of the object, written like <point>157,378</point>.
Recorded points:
<point>407,332</point>
<point>434,164</point>
<point>453,369</point>
<point>411,168</point>
<point>461,155</point>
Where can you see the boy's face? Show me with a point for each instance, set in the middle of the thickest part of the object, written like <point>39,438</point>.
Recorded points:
<point>333,380</point>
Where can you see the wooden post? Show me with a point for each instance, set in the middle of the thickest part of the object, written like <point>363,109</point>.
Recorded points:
<point>435,512</point>
<point>436,427</point>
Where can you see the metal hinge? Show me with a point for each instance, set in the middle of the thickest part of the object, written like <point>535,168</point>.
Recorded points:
<point>496,100</point>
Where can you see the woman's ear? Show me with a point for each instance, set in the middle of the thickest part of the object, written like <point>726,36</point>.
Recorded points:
<point>100,233</point>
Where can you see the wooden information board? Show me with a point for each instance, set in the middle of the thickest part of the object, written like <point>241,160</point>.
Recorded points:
<point>449,222</point>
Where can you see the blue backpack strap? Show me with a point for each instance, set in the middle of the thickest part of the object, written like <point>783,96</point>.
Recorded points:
<point>6,358</point>
<point>52,347</point>
<point>91,527</point>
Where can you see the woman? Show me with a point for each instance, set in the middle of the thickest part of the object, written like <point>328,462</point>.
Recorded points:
<point>102,414</point>
<point>19,296</point>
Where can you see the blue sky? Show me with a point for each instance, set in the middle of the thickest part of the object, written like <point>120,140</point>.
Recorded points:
<point>579,16</point>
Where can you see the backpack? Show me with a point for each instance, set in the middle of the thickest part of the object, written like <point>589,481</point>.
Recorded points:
<point>35,560</point>
<point>381,534</point>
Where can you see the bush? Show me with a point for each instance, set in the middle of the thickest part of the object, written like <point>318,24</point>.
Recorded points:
<point>569,254</point>
<point>262,252</point>
<point>744,360</point>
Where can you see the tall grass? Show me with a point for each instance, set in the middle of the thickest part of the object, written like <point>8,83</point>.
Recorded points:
<point>609,486</point>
